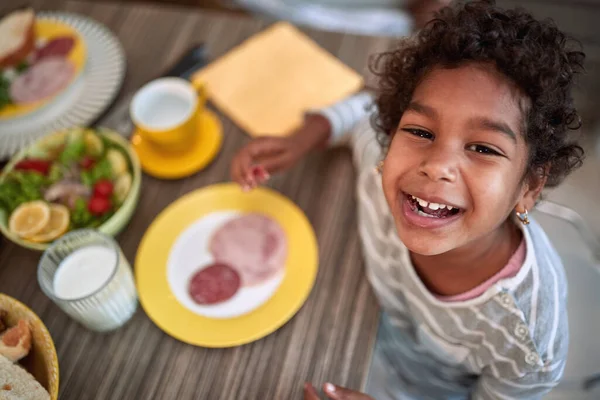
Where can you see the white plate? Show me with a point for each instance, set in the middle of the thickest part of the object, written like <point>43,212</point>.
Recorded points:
<point>190,253</point>
<point>84,100</point>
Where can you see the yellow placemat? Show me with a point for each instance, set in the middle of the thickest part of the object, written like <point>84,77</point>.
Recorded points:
<point>267,83</point>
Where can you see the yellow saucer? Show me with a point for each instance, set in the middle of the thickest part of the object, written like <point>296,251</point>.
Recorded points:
<point>171,316</point>
<point>47,29</point>
<point>167,165</point>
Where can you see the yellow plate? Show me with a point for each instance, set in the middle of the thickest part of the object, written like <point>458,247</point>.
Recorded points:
<point>174,166</point>
<point>172,317</point>
<point>46,29</point>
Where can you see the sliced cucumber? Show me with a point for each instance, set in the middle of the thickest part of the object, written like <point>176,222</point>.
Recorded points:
<point>117,161</point>
<point>122,187</point>
<point>75,134</point>
<point>93,144</point>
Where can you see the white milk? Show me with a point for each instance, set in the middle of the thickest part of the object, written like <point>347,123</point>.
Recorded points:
<point>84,272</point>
<point>90,271</point>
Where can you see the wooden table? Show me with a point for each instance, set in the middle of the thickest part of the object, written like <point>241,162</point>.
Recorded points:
<point>331,337</point>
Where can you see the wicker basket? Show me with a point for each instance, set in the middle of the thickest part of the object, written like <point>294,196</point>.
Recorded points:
<point>42,361</point>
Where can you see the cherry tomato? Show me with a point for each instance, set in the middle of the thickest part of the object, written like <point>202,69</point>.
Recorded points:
<point>103,188</point>
<point>87,163</point>
<point>99,205</point>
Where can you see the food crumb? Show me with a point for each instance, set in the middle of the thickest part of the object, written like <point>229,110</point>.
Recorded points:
<point>7,387</point>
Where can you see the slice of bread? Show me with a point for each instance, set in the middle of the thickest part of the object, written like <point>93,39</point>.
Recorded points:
<point>18,384</point>
<point>17,37</point>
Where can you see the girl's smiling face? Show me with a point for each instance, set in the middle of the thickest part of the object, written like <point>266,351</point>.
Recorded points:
<point>459,150</point>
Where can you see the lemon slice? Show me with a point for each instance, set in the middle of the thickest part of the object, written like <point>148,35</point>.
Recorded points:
<point>29,219</point>
<point>122,187</point>
<point>58,224</point>
<point>93,144</point>
<point>117,160</point>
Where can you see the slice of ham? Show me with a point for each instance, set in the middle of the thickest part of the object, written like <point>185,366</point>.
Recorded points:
<point>44,79</point>
<point>214,284</point>
<point>58,47</point>
<point>254,244</point>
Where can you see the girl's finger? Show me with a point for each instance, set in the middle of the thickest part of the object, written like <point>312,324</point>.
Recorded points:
<point>260,174</point>
<point>277,163</point>
<point>250,179</point>
<point>241,165</point>
<point>241,169</point>
<point>265,147</point>
<point>335,392</point>
<point>310,393</point>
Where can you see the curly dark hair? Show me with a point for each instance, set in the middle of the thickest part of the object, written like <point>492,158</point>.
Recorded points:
<point>540,59</point>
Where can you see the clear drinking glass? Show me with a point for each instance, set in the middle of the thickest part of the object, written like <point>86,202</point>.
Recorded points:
<point>86,274</point>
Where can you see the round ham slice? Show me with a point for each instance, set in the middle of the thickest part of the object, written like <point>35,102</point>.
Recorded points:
<point>254,244</point>
<point>214,284</point>
<point>57,47</point>
<point>44,79</point>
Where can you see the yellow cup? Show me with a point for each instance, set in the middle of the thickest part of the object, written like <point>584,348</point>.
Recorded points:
<point>165,112</point>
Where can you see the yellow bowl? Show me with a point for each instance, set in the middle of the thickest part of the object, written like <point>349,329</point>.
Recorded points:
<point>116,223</point>
<point>42,361</point>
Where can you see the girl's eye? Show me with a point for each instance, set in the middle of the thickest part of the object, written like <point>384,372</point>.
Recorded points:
<point>419,132</point>
<point>478,148</point>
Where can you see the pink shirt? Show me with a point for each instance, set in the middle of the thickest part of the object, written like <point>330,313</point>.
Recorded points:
<point>508,271</point>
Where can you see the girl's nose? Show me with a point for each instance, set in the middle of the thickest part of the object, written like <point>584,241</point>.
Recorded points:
<point>439,164</point>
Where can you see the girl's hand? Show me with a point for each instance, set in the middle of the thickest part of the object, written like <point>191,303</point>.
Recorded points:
<point>333,392</point>
<point>255,162</point>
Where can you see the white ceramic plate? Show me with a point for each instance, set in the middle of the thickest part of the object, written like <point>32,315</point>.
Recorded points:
<point>190,253</point>
<point>84,100</point>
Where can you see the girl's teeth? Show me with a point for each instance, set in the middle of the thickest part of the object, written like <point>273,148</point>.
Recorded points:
<point>423,214</point>
<point>431,206</point>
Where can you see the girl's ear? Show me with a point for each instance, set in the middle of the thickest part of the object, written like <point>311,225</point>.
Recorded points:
<point>532,189</point>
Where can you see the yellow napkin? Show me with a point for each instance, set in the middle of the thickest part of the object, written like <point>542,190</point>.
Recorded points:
<point>267,83</point>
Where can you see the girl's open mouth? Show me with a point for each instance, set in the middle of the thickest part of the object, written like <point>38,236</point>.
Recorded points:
<point>429,215</point>
<point>432,210</point>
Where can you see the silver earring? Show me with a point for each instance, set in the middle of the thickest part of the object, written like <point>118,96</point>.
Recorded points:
<point>523,217</point>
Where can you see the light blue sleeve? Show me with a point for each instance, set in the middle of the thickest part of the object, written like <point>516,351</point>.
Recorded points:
<point>351,126</point>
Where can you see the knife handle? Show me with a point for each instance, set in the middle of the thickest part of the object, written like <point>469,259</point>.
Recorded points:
<point>191,61</point>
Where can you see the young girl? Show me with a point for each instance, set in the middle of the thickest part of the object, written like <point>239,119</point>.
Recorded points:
<point>474,114</point>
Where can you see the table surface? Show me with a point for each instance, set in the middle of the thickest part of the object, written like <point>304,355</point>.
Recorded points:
<point>330,339</point>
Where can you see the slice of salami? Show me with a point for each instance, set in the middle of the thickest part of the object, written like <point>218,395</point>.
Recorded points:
<point>57,47</point>
<point>255,244</point>
<point>44,79</point>
<point>214,284</point>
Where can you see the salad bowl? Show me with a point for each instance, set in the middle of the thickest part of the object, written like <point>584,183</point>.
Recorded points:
<point>92,176</point>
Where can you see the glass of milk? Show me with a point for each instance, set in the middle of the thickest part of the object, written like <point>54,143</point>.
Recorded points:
<point>86,274</point>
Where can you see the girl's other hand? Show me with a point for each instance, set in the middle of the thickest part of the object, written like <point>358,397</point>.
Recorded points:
<point>333,392</point>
